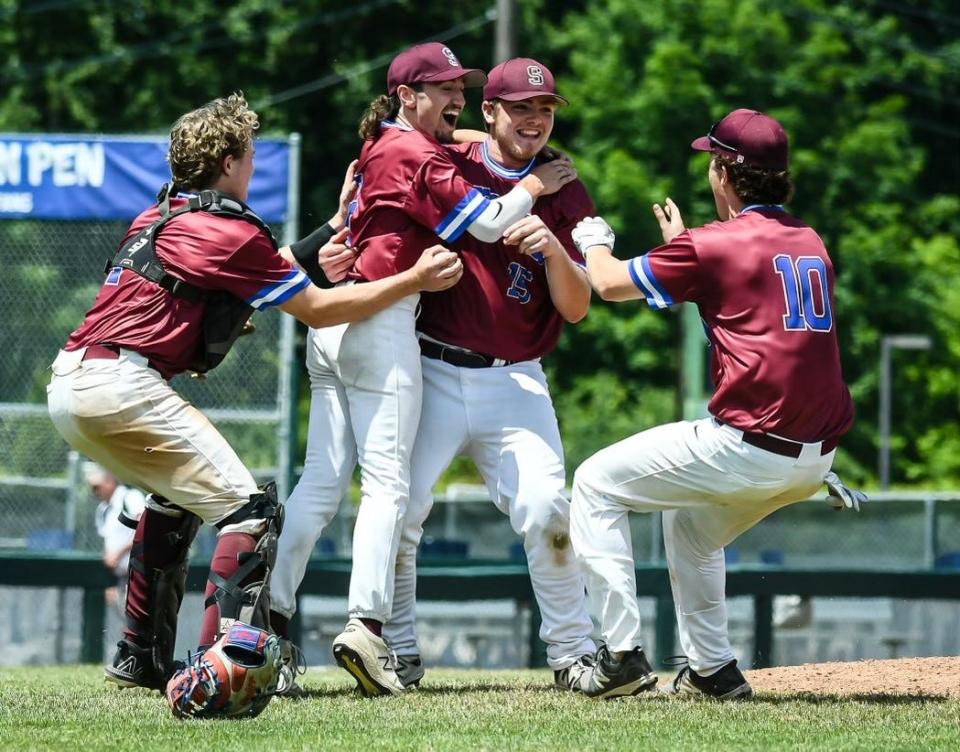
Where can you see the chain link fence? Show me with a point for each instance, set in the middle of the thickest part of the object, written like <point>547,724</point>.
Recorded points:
<point>52,271</point>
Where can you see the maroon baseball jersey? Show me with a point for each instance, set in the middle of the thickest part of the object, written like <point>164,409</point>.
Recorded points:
<point>410,196</point>
<point>213,253</point>
<point>764,285</point>
<point>501,306</point>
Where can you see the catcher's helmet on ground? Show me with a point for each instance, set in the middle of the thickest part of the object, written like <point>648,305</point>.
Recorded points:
<point>236,676</point>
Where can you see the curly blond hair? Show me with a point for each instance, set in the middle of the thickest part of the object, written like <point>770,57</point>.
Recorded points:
<point>201,139</point>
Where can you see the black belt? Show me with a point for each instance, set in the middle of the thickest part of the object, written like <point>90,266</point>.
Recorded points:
<point>460,358</point>
<point>783,447</point>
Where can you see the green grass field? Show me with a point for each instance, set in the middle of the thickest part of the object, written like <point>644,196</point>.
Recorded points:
<point>70,708</point>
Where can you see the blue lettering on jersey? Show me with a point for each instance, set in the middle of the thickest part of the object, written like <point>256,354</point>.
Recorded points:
<point>519,276</point>
<point>805,293</point>
<point>353,207</point>
<point>113,278</point>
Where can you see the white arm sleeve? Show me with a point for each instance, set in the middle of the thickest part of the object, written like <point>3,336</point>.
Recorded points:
<point>500,214</point>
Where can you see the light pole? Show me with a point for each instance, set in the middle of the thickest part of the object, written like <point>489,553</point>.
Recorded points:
<point>887,345</point>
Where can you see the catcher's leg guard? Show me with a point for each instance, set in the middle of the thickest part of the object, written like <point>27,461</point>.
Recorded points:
<point>238,587</point>
<point>156,584</point>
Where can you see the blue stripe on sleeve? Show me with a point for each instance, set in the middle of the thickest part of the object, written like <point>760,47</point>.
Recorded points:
<point>469,219</point>
<point>279,292</point>
<point>661,291</point>
<point>449,224</point>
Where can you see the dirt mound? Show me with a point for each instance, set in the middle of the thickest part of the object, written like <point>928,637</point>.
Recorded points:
<point>905,676</point>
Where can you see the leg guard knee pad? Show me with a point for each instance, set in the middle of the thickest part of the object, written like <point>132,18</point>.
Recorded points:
<point>245,594</point>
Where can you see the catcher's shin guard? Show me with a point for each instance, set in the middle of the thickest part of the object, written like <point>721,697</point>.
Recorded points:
<point>239,582</point>
<point>157,581</point>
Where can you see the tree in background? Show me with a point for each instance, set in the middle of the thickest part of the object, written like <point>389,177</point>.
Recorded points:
<point>867,88</point>
<point>868,92</point>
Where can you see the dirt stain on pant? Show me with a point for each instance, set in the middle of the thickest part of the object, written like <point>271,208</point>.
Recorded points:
<point>558,537</point>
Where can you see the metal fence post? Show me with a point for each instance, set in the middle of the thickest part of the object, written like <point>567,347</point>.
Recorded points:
<point>94,625</point>
<point>930,532</point>
<point>762,631</point>
<point>288,371</point>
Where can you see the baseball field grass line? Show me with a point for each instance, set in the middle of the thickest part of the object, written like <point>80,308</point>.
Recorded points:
<point>71,708</point>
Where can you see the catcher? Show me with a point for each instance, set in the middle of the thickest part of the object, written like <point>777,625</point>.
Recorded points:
<point>188,274</point>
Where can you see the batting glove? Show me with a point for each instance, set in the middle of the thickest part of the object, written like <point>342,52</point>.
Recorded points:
<point>591,231</point>
<point>842,497</point>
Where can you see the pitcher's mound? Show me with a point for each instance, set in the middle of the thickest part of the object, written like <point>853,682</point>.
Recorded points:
<point>929,677</point>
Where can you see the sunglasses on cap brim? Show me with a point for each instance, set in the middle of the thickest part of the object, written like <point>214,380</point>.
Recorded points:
<point>726,147</point>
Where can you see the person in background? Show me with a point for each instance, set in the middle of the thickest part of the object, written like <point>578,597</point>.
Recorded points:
<point>117,515</point>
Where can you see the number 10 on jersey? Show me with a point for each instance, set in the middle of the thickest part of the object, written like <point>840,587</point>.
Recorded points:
<point>805,292</point>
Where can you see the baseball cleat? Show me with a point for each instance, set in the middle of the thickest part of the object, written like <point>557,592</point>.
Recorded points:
<point>410,670</point>
<point>726,684</point>
<point>576,676</point>
<point>367,659</point>
<point>133,667</point>
<point>610,677</point>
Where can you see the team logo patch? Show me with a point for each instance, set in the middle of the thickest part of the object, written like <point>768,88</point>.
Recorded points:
<point>451,58</point>
<point>535,75</point>
<point>113,278</point>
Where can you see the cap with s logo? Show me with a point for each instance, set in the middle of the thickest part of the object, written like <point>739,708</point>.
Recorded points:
<point>432,62</point>
<point>521,78</point>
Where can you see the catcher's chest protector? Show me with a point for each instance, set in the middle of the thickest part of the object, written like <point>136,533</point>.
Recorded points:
<point>224,315</point>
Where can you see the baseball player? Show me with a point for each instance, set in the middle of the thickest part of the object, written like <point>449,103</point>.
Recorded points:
<point>188,273</point>
<point>763,283</point>
<point>485,394</point>
<point>365,377</point>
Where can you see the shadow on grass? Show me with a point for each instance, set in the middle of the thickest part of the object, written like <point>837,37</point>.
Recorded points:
<point>872,698</point>
<point>486,688</point>
<point>315,693</point>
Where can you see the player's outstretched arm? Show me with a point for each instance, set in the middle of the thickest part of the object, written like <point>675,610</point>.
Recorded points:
<point>435,270</point>
<point>608,275</point>
<point>499,214</point>
<point>567,282</point>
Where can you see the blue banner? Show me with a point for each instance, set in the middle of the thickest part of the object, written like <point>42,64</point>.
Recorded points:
<point>67,176</point>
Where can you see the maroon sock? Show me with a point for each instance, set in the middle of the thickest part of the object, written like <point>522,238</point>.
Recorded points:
<point>374,626</point>
<point>225,563</point>
<point>155,552</point>
<point>280,624</point>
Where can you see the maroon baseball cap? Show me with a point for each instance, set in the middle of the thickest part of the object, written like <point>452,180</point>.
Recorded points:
<point>432,62</point>
<point>521,78</point>
<point>749,137</point>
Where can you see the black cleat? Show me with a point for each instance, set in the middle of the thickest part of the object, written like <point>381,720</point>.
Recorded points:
<point>133,667</point>
<point>726,684</point>
<point>410,670</point>
<point>625,677</point>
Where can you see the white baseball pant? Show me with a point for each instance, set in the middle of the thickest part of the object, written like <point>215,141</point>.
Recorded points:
<point>503,419</point>
<point>711,487</point>
<point>365,406</point>
<point>124,415</point>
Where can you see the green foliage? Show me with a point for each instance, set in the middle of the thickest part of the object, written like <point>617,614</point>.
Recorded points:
<point>867,89</point>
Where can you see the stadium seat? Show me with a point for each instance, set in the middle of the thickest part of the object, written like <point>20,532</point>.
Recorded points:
<point>49,539</point>
<point>326,548</point>
<point>949,560</point>
<point>444,548</point>
<point>772,556</point>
